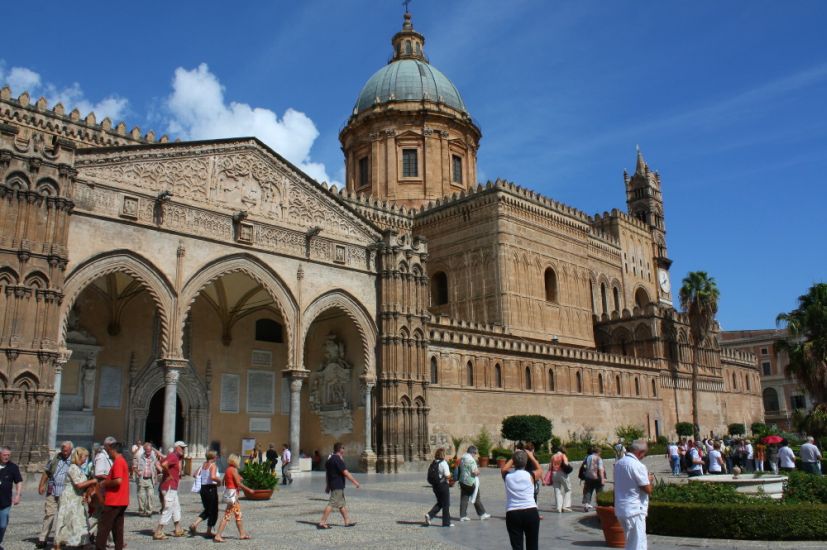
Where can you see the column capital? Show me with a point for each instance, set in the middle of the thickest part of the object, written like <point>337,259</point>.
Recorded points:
<point>295,374</point>
<point>63,357</point>
<point>171,376</point>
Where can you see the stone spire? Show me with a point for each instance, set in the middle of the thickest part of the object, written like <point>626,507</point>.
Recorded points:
<point>407,43</point>
<point>641,168</point>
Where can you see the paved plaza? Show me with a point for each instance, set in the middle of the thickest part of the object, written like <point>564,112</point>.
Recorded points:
<point>389,511</point>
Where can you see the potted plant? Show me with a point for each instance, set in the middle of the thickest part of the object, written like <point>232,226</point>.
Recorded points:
<point>483,444</point>
<point>260,479</point>
<point>612,531</point>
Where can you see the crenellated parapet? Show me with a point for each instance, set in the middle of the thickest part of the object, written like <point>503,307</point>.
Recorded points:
<point>86,131</point>
<point>384,214</point>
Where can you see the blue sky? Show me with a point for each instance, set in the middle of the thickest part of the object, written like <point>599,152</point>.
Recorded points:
<point>726,99</point>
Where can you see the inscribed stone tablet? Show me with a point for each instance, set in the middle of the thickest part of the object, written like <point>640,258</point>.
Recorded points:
<point>261,359</point>
<point>230,386</point>
<point>260,425</point>
<point>261,391</point>
<point>109,388</point>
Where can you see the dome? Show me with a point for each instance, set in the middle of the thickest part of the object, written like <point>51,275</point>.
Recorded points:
<point>408,80</point>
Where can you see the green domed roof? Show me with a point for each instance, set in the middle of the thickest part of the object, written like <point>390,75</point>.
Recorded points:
<point>408,80</point>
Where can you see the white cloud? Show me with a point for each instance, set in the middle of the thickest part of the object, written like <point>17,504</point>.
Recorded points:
<point>199,111</point>
<point>22,79</point>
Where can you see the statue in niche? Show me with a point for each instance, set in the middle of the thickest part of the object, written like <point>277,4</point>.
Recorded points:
<point>330,389</point>
<point>74,332</point>
<point>88,372</point>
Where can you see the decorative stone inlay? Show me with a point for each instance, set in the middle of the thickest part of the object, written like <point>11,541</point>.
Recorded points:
<point>331,388</point>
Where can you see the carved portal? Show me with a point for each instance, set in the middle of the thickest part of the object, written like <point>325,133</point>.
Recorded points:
<point>331,390</point>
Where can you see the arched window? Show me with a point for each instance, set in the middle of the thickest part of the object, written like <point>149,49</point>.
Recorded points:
<point>469,374</point>
<point>616,296</point>
<point>603,298</point>
<point>734,382</point>
<point>439,288</point>
<point>748,384</point>
<point>637,386</point>
<point>579,383</point>
<point>550,380</point>
<point>771,400</point>
<point>434,371</point>
<point>550,278</point>
<point>641,298</point>
<point>498,375</point>
<point>528,378</point>
<point>654,388</point>
<point>618,388</point>
<point>268,330</point>
<point>600,383</point>
<point>408,49</point>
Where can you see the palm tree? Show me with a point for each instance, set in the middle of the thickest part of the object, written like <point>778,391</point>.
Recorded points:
<point>699,299</point>
<point>806,342</point>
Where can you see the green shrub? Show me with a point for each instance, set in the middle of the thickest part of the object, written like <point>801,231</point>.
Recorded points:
<point>500,452</point>
<point>662,440</point>
<point>700,493</point>
<point>259,476</point>
<point>606,498</point>
<point>482,441</point>
<point>802,487</point>
<point>684,429</point>
<point>527,427</point>
<point>758,429</point>
<point>737,429</point>
<point>629,433</point>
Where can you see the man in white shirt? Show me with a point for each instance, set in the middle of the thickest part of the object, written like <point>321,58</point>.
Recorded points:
<point>750,464</point>
<point>786,457</point>
<point>810,457</point>
<point>286,457</point>
<point>633,485</point>
<point>674,457</point>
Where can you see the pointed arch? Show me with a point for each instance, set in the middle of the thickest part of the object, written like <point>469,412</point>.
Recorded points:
<point>356,312</point>
<point>257,270</point>
<point>134,265</point>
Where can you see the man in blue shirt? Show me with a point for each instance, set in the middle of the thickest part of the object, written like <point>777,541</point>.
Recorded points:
<point>51,484</point>
<point>9,478</point>
<point>336,475</point>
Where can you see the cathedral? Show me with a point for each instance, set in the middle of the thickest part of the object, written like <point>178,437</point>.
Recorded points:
<point>211,291</point>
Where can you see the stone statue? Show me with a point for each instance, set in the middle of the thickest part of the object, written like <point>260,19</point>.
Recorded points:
<point>330,388</point>
<point>88,385</point>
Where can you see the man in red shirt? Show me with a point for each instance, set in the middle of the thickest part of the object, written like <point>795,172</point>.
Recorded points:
<point>171,467</point>
<point>116,499</point>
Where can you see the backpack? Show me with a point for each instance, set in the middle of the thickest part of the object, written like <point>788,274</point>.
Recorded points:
<point>581,473</point>
<point>687,459</point>
<point>433,473</point>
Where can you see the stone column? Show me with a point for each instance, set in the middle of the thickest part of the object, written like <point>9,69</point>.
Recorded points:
<point>172,371</point>
<point>367,461</point>
<point>60,363</point>
<point>296,378</point>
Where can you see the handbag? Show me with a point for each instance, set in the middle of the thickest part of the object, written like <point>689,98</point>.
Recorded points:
<point>567,468</point>
<point>196,482</point>
<point>547,478</point>
<point>229,496</point>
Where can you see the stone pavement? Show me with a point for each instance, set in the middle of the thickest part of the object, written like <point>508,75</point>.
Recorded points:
<point>389,512</point>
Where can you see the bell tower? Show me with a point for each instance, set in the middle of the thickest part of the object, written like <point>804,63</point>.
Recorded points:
<point>644,202</point>
<point>409,139</point>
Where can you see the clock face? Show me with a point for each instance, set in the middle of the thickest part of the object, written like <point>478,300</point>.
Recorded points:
<point>663,280</point>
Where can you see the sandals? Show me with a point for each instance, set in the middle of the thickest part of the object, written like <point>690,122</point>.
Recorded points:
<point>351,524</point>
<point>323,526</point>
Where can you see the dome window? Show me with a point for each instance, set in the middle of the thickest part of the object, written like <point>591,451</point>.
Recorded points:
<point>456,171</point>
<point>408,50</point>
<point>364,172</point>
<point>410,163</point>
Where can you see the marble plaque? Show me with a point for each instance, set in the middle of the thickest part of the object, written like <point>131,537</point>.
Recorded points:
<point>109,387</point>
<point>76,422</point>
<point>230,389</point>
<point>261,359</point>
<point>261,389</point>
<point>70,381</point>
<point>260,425</point>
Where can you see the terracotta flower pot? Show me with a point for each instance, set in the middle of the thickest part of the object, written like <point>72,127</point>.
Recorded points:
<point>501,462</point>
<point>484,462</point>
<point>258,494</point>
<point>612,531</point>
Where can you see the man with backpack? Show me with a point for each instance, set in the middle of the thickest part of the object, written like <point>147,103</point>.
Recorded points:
<point>439,476</point>
<point>593,475</point>
<point>694,462</point>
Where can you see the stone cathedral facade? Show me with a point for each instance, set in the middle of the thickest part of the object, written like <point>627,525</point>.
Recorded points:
<point>211,291</point>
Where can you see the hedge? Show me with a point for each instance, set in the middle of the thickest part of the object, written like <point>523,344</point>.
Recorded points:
<point>760,521</point>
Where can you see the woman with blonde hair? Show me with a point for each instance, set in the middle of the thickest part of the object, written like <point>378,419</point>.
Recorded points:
<point>232,483</point>
<point>71,527</point>
<point>207,474</point>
